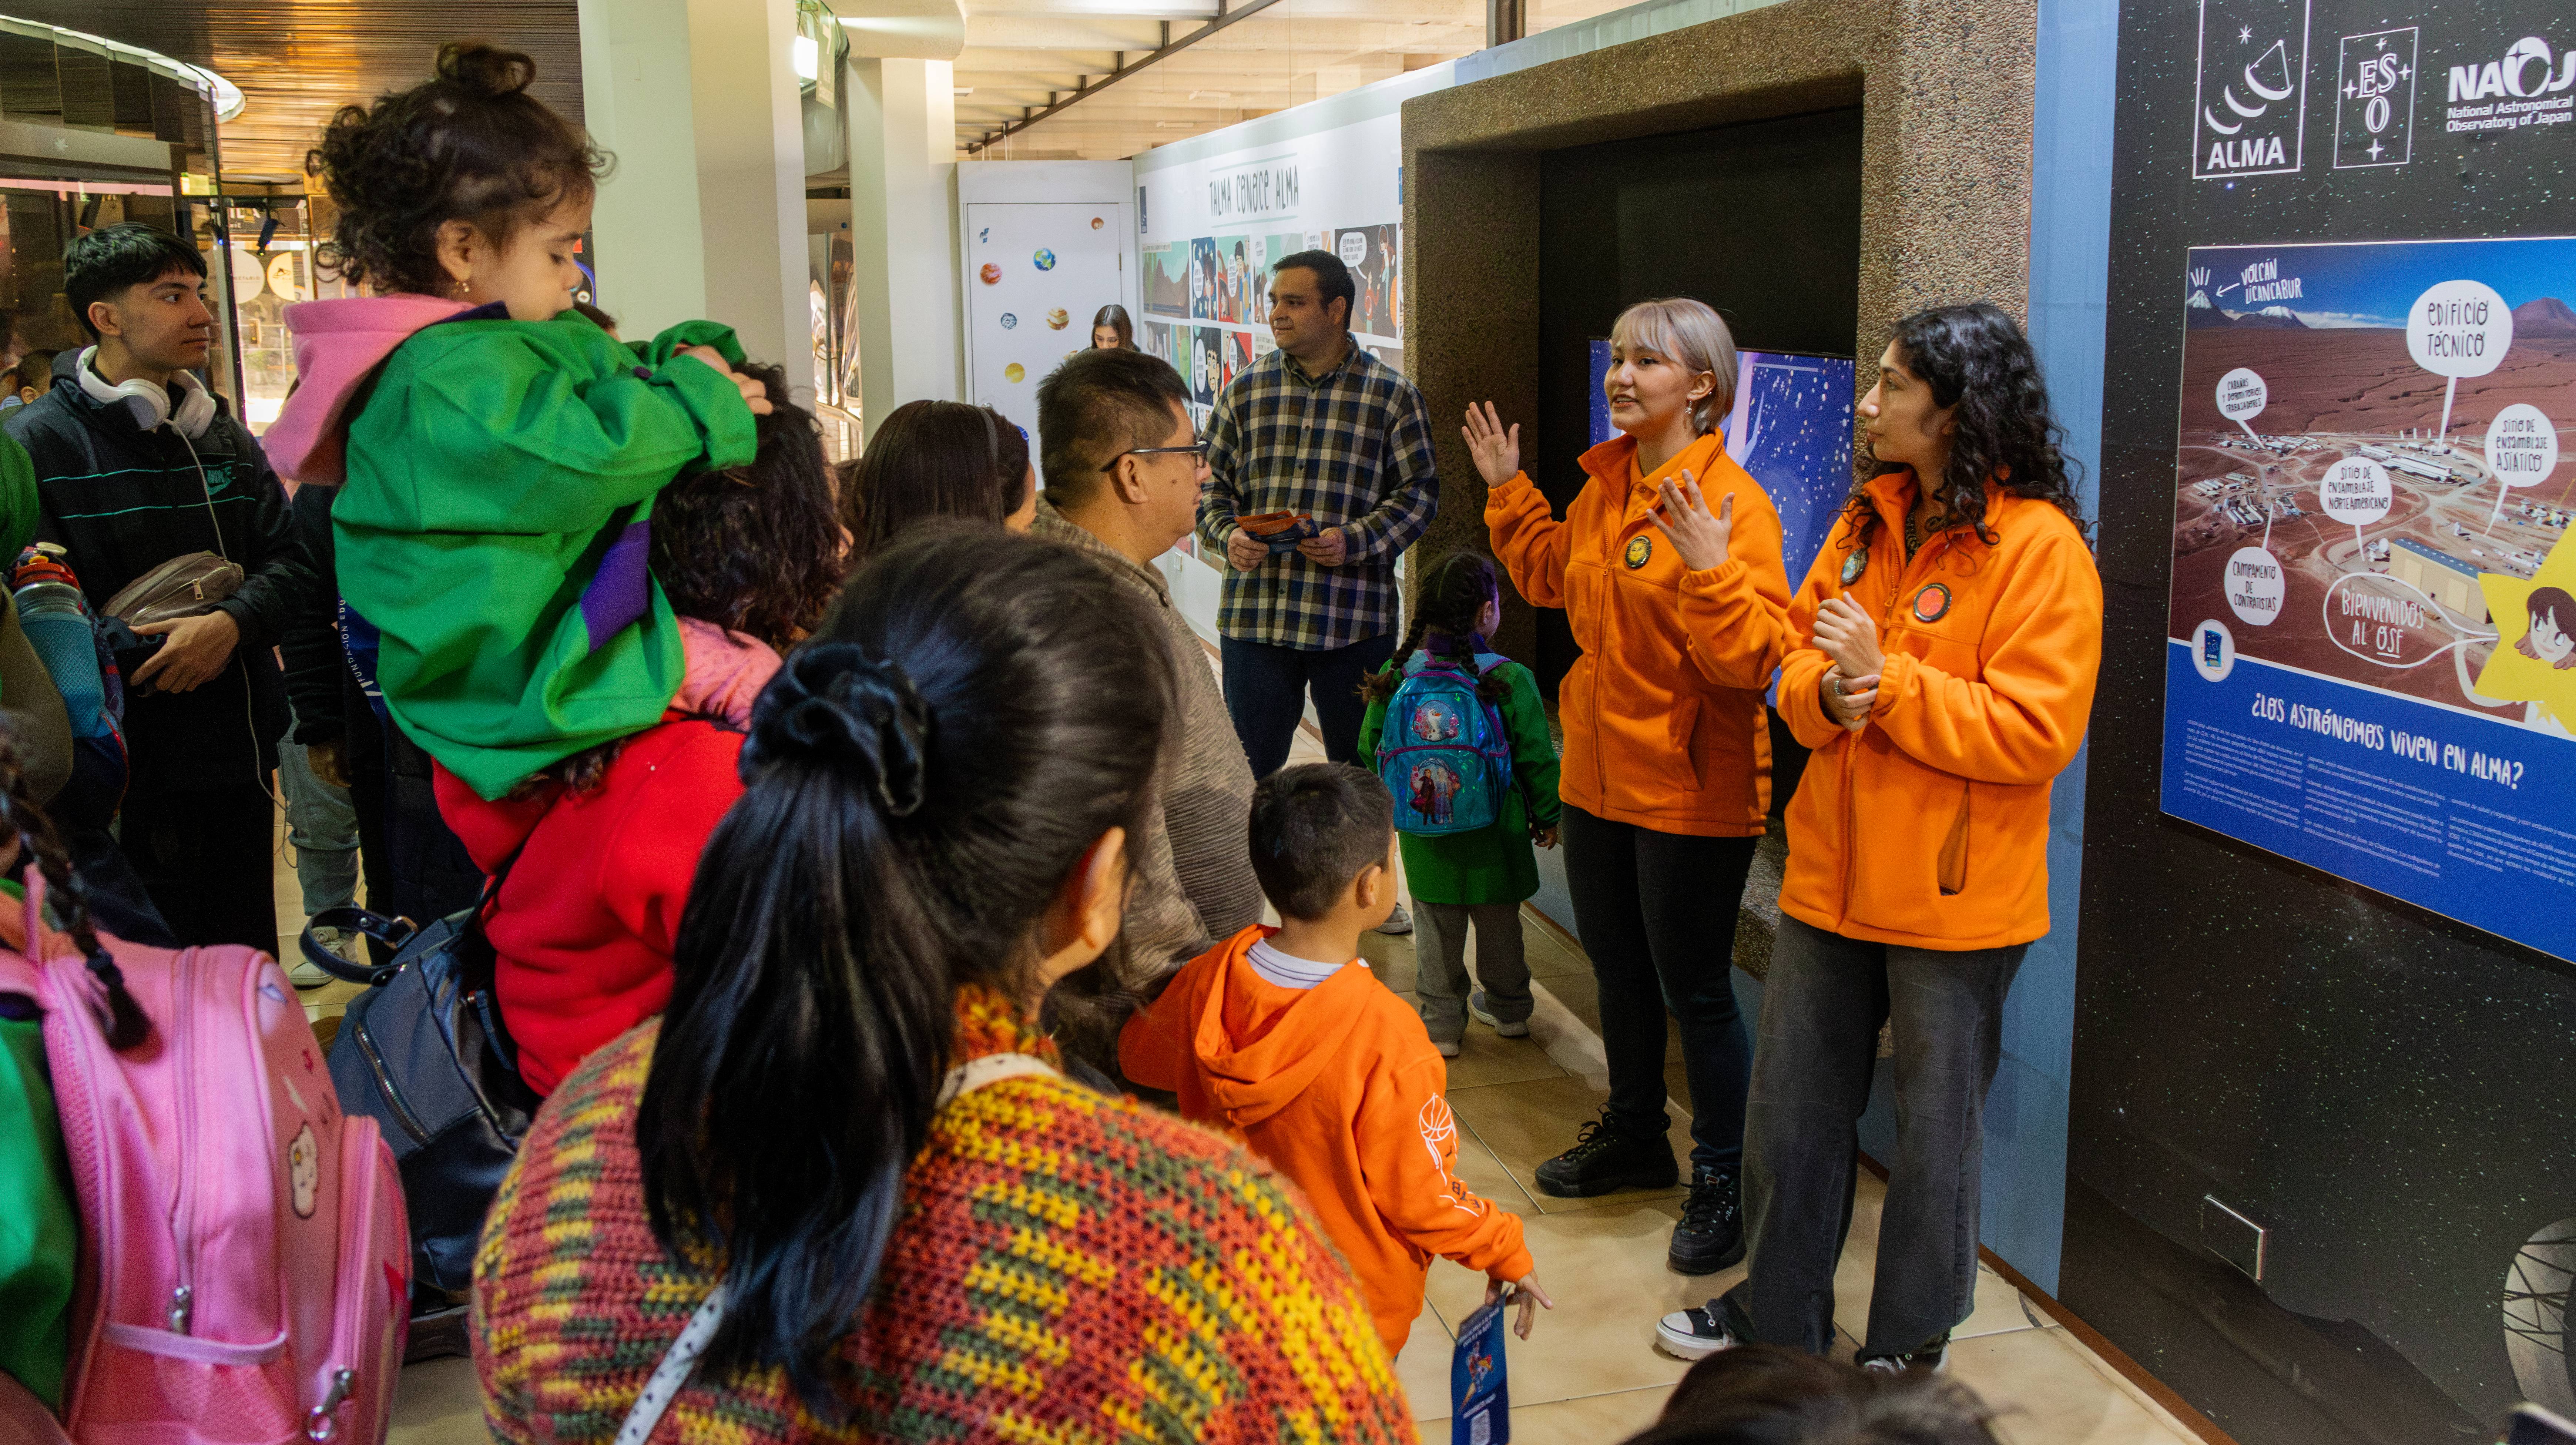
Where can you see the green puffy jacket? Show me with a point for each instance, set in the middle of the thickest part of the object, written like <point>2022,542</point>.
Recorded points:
<point>492,530</point>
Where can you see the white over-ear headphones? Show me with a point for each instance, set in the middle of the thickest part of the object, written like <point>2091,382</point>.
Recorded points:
<point>149,403</point>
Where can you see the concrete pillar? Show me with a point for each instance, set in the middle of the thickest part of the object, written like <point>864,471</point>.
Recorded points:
<point>903,232</point>
<point>704,212</point>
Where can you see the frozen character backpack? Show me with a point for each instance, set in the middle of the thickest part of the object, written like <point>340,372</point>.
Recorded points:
<point>244,1260</point>
<point>1443,752</point>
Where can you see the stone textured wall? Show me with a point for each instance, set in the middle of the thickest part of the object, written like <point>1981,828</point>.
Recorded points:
<point>1945,92</point>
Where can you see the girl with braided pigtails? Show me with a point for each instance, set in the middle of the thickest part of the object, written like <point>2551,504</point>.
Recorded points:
<point>1474,879</point>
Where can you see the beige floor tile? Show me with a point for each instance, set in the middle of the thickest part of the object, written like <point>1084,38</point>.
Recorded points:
<point>1486,1057</point>
<point>2045,1393</point>
<point>2120,1382</point>
<point>1390,958</point>
<point>1481,1171</point>
<point>1534,1120</point>
<point>1547,957</point>
<point>1590,1420</point>
<point>437,1402</point>
<point>1423,1366</point>
<point>1605,1269</point>
<point>1998,1304</point>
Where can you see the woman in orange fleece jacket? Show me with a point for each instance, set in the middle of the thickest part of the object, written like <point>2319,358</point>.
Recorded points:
<point>1950,636</point>
<point>1682,614</point>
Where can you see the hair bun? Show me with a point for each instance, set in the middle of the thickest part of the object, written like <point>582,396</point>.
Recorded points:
<point>481,66</point>
<point>839,706</point>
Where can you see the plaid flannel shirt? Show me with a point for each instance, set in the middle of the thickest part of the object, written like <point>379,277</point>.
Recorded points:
<point>1352,449</point>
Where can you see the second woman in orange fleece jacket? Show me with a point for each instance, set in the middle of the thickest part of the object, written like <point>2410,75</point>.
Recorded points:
<point>1950,632</point>
<point>1682,613</point>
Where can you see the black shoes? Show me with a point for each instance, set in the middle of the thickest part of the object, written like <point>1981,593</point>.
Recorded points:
<point>1711,1234</point>
<point>1602,1161</point>
<point>1931,1359</point>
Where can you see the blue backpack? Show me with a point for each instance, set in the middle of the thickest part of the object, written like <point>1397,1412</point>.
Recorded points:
<point>1443,752</point>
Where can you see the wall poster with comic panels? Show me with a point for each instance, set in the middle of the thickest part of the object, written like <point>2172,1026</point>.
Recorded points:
<point>2372,634</point>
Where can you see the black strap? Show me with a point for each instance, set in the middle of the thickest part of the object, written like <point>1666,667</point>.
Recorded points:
<point>392,932</point>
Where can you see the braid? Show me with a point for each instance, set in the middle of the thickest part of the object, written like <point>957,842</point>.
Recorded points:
<point>1380,685</point>
<point>1453,592</point>
<point>126,1024</point>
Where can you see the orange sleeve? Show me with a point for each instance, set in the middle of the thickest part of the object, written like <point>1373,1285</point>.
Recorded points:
<point>1408,1144</point>
<point>1154,1046</point>
<point>1736,614</point>
<point>1802,670</point>
<point>1528,540</point>
<point>2024,719</point>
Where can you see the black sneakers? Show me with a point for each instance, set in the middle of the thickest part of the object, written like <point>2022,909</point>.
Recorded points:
<point>1602,1161</point>
<point>1931,1359</point>
<point>1694,1334</point>
<point>1711,1234</point>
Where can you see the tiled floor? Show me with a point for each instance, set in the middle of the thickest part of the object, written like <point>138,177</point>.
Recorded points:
<point>1590,1373</point>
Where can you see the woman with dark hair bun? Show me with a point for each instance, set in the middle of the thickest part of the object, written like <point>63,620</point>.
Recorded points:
<point>1946,643</point>
<point>1111,330</point>
<point>843,1163</point>
<point>935,459</point>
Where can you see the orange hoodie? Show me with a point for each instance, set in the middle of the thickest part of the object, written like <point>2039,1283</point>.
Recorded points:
<point>1663,716</point>
<point>1929,827</point>
<point>1339,1087</point>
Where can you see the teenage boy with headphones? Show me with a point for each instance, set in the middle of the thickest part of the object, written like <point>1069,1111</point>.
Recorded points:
<point>137,463</point>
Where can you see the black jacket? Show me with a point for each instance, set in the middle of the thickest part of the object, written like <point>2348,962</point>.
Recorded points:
<point>122,501</point>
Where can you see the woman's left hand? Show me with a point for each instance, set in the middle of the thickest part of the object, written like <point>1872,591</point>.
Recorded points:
<point>1683,517</point>
<point>1845,633</point>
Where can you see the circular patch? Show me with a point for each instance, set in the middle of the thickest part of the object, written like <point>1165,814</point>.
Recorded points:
<point>1009,320</point>
<point>1015,372</point>
<point>991,273</point>
<point>1932,603</point>
<point>1044,258</point>
<point>1639,549</point>
<point>1854,565</point>
<point>1057,320</point>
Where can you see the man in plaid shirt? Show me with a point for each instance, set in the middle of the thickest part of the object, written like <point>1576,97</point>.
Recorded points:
<point>1322,428</point>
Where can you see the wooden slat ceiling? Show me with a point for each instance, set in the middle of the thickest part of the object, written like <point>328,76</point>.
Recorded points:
<point>297,61</point>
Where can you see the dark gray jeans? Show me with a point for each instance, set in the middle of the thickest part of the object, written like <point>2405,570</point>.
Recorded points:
<point>1821,1011</point>
<point>1440,981</point>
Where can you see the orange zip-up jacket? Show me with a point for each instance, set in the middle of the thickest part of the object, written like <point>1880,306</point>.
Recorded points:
<point>1929,826</point>
<point>1339,1086</point>
<point>1663,712</point>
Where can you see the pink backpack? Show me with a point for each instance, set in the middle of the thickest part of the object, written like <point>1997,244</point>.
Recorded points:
<point>245,1264</point>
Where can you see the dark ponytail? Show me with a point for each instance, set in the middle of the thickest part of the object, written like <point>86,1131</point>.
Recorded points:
<point>921,778</point>
<point>123,1019</point>
<point>1455,589</point>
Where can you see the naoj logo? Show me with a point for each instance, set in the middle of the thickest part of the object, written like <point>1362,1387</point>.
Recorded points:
<point>2375,100</point>
<point>2252,96</point>
<point>2529,88</point>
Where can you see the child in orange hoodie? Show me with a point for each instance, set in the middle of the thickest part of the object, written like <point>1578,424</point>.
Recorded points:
<point>1284,1038</point>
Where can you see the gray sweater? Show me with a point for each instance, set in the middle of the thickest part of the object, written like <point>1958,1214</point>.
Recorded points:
<point>1194,883</point>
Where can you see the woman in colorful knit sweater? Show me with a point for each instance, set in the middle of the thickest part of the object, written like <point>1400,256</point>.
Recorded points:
<point>849,1117</point>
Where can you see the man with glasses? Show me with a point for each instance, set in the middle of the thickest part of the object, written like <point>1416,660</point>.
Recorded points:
<point>1123,469</point>
<point>1318,428</point>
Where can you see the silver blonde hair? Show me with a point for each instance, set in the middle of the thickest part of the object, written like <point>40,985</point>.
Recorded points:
<point>1689,332</point>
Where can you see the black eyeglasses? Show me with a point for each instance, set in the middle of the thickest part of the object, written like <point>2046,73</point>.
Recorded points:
<point>1195,449</point>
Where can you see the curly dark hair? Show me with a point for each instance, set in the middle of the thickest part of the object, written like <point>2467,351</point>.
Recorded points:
<point>755,548</point>
<point>1455,589</point>
<point>470,144</point>
<point>1977,360</point>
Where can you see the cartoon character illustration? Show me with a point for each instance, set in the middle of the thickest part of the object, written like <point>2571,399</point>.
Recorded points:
<point>1435,786</point>
<point>304,1171</point>
<point>1434,722</point>
<point>2551,638</point>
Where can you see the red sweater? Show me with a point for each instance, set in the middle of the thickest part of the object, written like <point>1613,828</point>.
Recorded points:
<point>588,914</point>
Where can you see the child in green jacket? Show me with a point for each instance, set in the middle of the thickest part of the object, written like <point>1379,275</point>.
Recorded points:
<point>1475,879</point>
<point>498,453</point>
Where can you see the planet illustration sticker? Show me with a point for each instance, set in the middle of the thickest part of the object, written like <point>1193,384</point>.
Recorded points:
<point>1639,549</point>
<point>1095,223</point>
<point>1045,259</point>
<point>992,273</point>
<point>1854,565</point>
<point>1010,319</point>
<point>1932,603</point>
<point>1015,372</point>
<point>1057,320</point>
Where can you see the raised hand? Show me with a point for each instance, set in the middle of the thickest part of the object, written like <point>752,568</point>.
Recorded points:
<point>1496,449</point>
<point>1683,517</point>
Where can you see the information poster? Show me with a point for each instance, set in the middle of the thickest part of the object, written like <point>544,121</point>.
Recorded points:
<point>2372,639</point>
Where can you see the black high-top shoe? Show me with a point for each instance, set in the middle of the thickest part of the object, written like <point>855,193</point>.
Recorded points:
<point>1602,1161</point>
<point>1711,1233</point>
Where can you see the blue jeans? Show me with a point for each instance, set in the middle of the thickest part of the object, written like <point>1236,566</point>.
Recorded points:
<point>323,827</point>
<point>1265,694</point>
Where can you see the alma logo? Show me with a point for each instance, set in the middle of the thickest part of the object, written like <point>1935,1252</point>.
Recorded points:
<point>2524,72</point>
<point>2252,94</point>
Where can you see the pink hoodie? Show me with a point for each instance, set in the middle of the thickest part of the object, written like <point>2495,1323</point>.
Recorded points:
<point>338,344</point>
